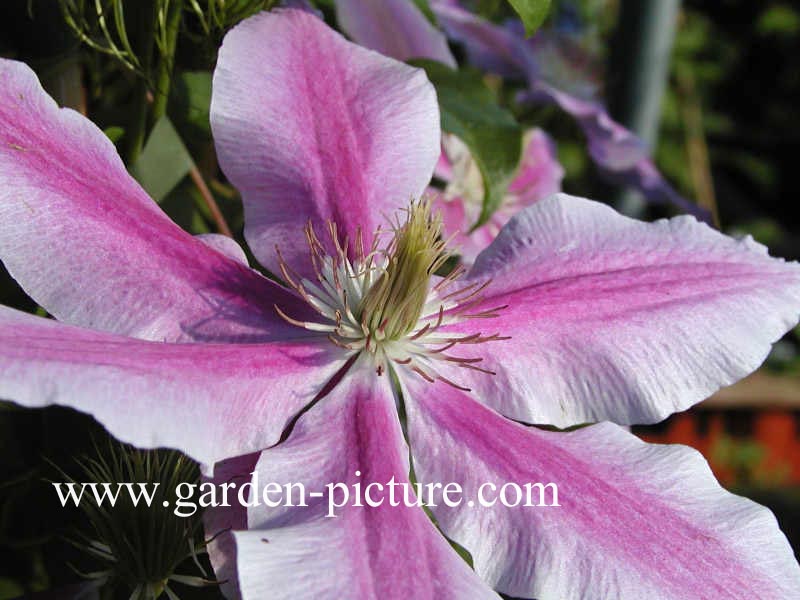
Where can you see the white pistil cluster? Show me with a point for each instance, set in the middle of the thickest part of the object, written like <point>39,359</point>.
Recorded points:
<point>385,302</point>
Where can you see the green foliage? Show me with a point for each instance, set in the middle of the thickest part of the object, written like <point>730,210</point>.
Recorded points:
<point>469,110</point>
<point>114,133</point>
<point>532,12</point>
<point>425,8</point>
<point>217,15</point>
<point>164,161</point>
<point>190,102</point>
<point>102,26</point>
<point>779,19</point>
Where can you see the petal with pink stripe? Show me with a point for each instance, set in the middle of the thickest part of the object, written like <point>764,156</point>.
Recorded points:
<point>311,127</point>
<point>351,436</point>
<point>211,401</point>
<point>633,520</point>
<point>616,319</point>
<point>87,243</point>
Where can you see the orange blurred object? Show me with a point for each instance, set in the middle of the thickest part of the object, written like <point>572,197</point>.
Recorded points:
<point>749,432</point>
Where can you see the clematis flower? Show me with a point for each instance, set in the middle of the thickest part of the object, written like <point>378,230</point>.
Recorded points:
<point>171,340</point>
<point>538,176</point>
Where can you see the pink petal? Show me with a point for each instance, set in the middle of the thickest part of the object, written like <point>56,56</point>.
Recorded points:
<point>211,401</point>
<point>444,168</point>
<point>616,319</point>
<point>395,28</point>
<point>88,244</point>
<point>456,224</point>
<point>634,520</point>
<point>312,127</point>
<point>219,522</point>
<point>367,553</point>
<point>539,174</point>
<point>227,246</point>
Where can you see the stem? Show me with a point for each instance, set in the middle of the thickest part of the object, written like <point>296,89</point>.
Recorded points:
<point>164,73</point>
<point>208,198</point>
<point>696,146</point>
<point>138,127</point>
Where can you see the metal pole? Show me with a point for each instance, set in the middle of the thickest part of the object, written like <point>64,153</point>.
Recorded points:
<point>639,71</point>
<point>641,62</point>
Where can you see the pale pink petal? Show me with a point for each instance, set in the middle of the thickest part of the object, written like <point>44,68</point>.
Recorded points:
<point>616,319</point>
<point>228,246</point>
<point>634,520</point>
<point>219,522</point>
<point>456,224</point>
<point>312,127</point>
<point>366,553</point>
<point>211,401</point>
<point>395,28</point>
<point>88,244</point>
<point>539,174</point>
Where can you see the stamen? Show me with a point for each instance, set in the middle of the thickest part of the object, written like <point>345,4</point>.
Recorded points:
<point>455,385</point>
<point>421,332</point>
<point>382,302</point>
<point>400,293</point>
<point>423,374</point>
<point>304,324</point>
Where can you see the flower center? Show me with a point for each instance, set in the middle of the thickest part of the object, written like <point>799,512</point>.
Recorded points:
<point>388,302</point>
<point>393,305</point>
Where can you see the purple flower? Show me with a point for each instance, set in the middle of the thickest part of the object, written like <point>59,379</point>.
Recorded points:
<point>171,340</point>
<point>538,176</point>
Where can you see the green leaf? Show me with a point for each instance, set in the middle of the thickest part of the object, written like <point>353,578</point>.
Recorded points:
<point>114,133</point>
<point>426,10</point>
<point>164,161</point>
<point>469,110</point>
<point>532,13</point>
<point>190,102</point>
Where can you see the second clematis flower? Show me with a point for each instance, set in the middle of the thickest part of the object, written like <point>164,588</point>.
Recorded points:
<point>574,314</point>
<point>538,176</point>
